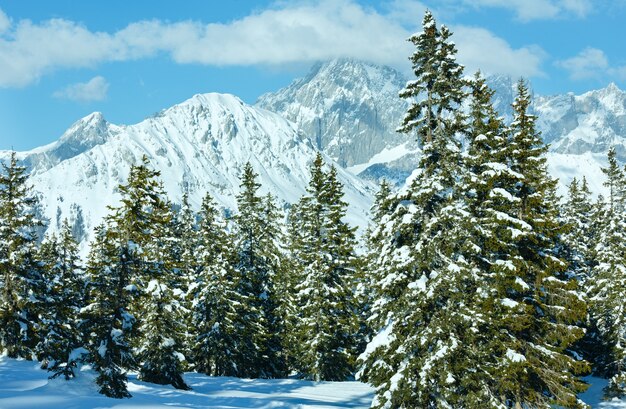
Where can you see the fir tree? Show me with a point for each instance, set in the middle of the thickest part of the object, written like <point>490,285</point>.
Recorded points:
<point>106,321</point>
<point>186,265</point>
<point>135,251</point>
<point>162,319</point>
<point>21,278</point>
<point>63,302</point>
<point>323,254</point>
<point>277,303</point>
<point>216,303</point>
<point>143,223</point>
<point>577,214</point>
<point>423,281</point>
<point>540,309</point>
<point>256,268</point>
<point>608,284</point>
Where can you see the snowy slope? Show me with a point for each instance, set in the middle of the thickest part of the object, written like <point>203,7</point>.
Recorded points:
<point>199,145</point>
<point>24,385</point>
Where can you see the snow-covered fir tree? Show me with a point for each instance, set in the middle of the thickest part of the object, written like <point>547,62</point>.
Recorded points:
<point>422,279</point>
<point>183,245</point>
<point>607,285</point>
<point>256,267</point>
<point>540,307</point>
<point>322,251</point>
<point>143,222</point>
<point>471,295</point>
<point>577,214</point>
<point>277,305</point>
<point>515,205</point>
<point>21,281</point>
<point>161,323</point>
<point>139,295</point>
<point>64,298</point>
<point>106,322</point>
<point>215,323</point>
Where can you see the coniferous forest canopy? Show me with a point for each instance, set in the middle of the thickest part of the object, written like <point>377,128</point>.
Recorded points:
<point>475,286</point>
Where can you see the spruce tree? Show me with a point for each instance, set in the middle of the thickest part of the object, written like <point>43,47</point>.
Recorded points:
<point>162,326</point>
<point>577,214</point>
<point>256,267</point>
<point>539,310</point>
<point>322,251</point>
<point>277,303</point>
<point>608,284</point>
<point>21,281</point>
<point>423,280</point>
<point>106,322</point>
<point>143,224</point>
<point>144,328</point>
<point>185,264</point>
<point>64,298</point>
<point>216,322</point>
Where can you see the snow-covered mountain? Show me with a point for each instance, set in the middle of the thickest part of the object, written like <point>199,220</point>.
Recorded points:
<point>199,145</point>
<point>347,108</point>
<point>350,109</point>
<point>592,122</point>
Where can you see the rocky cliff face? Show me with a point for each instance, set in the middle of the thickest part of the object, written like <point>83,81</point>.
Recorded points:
<point>592,122</point>
<point>349,109</point>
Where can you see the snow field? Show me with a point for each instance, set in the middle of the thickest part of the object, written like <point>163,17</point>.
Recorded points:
<point>24,385</point>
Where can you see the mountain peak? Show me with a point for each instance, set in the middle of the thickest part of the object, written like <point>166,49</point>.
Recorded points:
<point>612,87</point>
<point>348,108</point>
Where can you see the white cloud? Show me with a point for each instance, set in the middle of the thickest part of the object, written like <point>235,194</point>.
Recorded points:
<point>93,90</point>
<point>481,49</point>
<point>527,10</point>
<point>5,22</point>
<point>589,63</point>
<point>286,33</point>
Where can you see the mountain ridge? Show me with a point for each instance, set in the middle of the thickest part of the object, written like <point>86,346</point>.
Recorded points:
<point>199,145</point>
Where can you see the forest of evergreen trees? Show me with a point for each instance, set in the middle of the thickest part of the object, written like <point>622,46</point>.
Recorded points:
<point>475,285</point>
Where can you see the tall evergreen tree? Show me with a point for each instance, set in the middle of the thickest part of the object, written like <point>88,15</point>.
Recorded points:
<point>475,307</point>
<point>106,322</point>
<point>184,243</point>
<point>577,214</point>
<point>162,326</point>
<point>541,309</point>
<point>323,254</point>
<point>256,269</point>
<point>63,301</point>
<point>21,280</point>
<point>607,287</point>
<point>216,322</point>
<point>423,280</point>
<point>277,302</point>
<point>136,252</point>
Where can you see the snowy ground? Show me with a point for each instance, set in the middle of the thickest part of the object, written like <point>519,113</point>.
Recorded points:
<point>24,385</point>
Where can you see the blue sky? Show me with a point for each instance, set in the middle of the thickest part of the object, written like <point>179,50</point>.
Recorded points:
<point>64,59</point>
